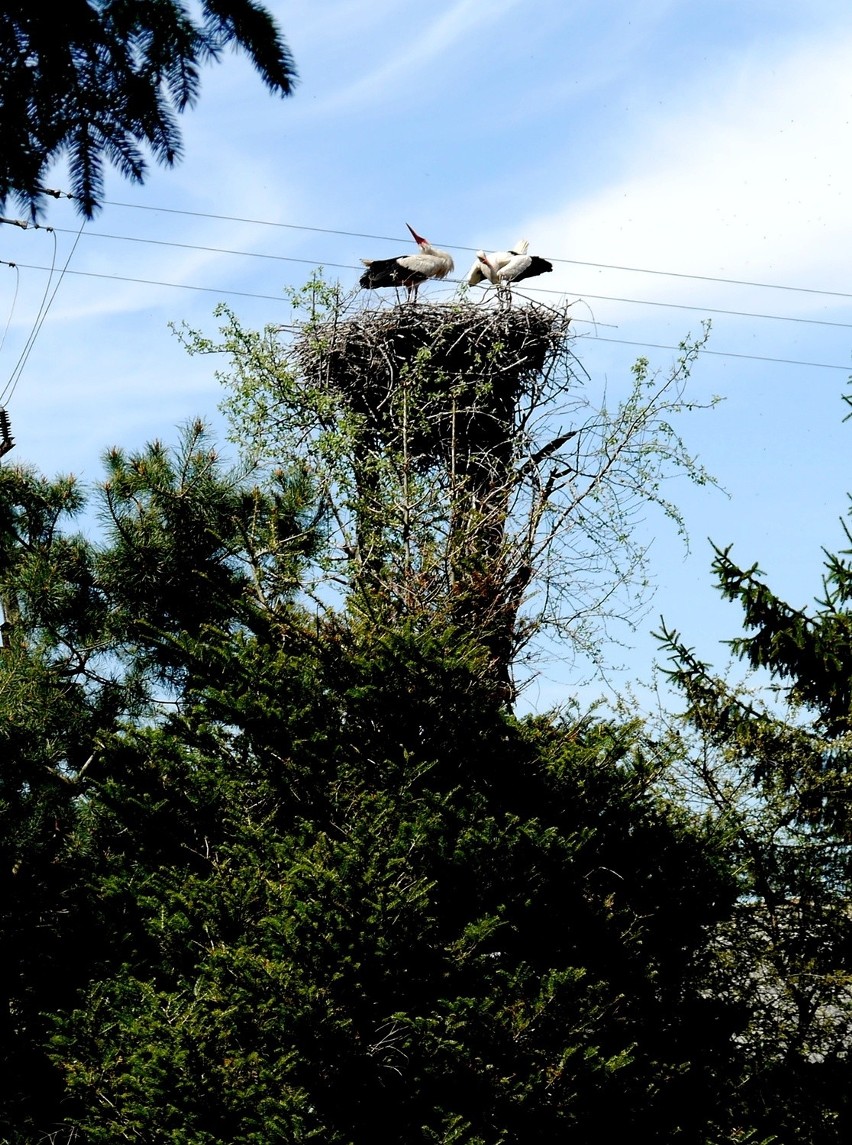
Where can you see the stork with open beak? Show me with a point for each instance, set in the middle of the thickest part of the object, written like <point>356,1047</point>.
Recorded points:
<point>502,268</point>
<point>407,270</point>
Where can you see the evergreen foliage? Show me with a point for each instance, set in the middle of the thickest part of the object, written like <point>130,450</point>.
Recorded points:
<point>102,80</point>
<point>776,771</point>
<point>282,864</point>
<point>319,882</point>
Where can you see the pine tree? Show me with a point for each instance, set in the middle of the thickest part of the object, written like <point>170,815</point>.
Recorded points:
<point>775,768</point>
<point>54,703</point>
<point>359,902</point>
<point>102,82</point>
<point>97,640</point>
<point>330,887</point>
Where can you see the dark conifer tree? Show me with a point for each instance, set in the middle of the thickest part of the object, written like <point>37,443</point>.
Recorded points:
<point>777,770</point>
<point>102,82</point>
<point>330,886</point>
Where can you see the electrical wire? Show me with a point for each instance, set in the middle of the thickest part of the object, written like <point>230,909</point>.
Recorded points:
<point>730,354</point>
<point>220,292</point>
<point>46,303</point>
<point>539,290</point>
<point>456,246</point>
<point>14,302</point>
<point>532,289</point>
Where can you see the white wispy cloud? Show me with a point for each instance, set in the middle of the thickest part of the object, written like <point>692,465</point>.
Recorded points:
<point>748,179</point>
<point>411,67</point>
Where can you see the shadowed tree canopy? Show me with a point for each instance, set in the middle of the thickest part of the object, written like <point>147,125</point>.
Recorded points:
<point>99,81</point>
<point>269,875</point>
<point>774,765</point>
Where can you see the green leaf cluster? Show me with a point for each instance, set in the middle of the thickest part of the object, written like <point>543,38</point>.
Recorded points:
<point>307,879</point>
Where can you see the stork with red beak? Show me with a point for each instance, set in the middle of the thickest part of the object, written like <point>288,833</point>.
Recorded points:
<point>407,270</point>
<point>502,268</point>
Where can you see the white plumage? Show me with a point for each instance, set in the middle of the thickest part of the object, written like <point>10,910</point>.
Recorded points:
<point>502,268</point>
<point>407,270</point>
<point>486,266</point>
<point>523,266</point>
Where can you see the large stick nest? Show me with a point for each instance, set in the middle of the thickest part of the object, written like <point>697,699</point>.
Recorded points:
<point>455,360</point>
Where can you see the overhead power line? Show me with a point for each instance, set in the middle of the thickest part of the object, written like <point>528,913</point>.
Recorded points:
<point>385,238</point>
<point>730,354</point>
<point>277,298</point>
<point>43,309</point>
<point>472,250</point>
<point>538,289</point>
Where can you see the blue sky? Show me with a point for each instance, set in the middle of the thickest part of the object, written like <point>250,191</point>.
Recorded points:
<point>704,148</point>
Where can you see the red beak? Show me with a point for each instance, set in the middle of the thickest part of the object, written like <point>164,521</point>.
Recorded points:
<point>417,238</point>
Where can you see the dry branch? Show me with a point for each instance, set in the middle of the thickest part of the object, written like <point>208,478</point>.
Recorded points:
<point>467,365</point>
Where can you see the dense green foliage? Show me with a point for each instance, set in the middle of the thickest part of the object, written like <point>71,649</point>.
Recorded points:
<point>280,869</point>
<point>775,769</point>
<point>101,80</point>
<point>272,871</point>
<point>278,879</point>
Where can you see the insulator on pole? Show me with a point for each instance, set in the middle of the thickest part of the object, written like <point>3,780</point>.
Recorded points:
<point>7,442</point>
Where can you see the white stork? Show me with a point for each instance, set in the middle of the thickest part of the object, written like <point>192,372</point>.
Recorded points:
<point>502,268</point>
<point>407,270</point>
<point>487,265</point>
